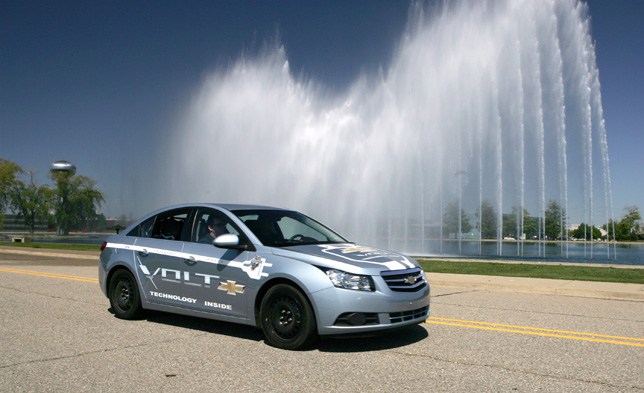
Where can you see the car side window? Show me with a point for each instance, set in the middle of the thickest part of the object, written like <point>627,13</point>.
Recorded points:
<point>211,223</point>
<point>169,225</point>
<point>144,229</point>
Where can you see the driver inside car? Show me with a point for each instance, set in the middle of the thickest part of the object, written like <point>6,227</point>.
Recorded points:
<point>216,227</point>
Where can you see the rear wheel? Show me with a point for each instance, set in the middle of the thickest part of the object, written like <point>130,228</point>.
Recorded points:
<point>287,318</point>
<point>124,295</point>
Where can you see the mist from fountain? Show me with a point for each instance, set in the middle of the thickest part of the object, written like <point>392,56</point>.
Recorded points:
<point>495,101</point>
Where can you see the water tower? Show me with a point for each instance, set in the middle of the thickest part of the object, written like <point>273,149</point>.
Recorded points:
<point>63,167</point>
<point>67,169</point>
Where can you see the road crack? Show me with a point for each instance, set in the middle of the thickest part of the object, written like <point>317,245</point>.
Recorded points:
<point>105,350</point>
<point>47,295</point>
<point>453,293</point>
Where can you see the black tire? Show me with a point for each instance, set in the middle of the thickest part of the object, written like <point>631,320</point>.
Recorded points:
<point>287,318</point>
<point>124,295</point>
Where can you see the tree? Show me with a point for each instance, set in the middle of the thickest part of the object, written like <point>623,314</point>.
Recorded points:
<point>101,222</point>
<point>510,227</point>
<point>76,201</point>
<point>8,174</point>
<point>86,201</point>
<point>510,224</point>
<point>487,220</point>
<point>121,220</point>
<point>450,219</point>
<point>30,201</point>
<point>585,230</point>
<point>629,227</point>
<point>530,226</point>
<point>555,217</point>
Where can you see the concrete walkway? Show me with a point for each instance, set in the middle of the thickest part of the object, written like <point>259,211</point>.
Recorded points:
<point>605,290</point>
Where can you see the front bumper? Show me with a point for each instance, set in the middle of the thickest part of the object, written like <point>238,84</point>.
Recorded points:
<point>344,311</point>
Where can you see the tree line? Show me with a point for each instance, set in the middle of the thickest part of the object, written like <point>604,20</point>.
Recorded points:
<point>71,205</point>
<point>552,226</point>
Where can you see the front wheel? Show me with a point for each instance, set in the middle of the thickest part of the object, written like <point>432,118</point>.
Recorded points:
<point>287,318</point>
<point>124,296</point>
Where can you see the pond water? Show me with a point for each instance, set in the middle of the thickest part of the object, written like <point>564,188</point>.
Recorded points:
<point>616,254</point>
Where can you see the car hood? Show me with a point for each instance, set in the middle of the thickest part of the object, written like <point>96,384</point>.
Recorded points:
<point>349,257</point>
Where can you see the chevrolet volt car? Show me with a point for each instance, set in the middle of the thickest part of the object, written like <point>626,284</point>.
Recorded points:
<point>271,268</point>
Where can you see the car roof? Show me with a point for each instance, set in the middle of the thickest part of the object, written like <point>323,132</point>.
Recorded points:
<point>226,206</point>
<point>231,206</point>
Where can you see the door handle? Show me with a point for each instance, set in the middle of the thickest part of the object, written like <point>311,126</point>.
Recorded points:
<point>144,253</point>
<point>190,260</point>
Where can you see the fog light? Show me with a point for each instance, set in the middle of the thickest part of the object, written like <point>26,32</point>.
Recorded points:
<point>356,319</point>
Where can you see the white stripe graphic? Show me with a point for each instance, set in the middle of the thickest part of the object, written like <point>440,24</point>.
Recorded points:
<point>254,273</point>
<point>161,251</point>
<point>346,250</point>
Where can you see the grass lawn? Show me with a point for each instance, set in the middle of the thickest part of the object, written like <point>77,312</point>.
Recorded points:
<point>54,246</point>
<point>559,272</point>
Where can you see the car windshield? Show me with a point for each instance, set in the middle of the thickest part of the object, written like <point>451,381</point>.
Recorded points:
<point>282,228</point>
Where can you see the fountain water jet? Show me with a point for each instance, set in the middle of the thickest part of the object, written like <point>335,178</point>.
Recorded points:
<point>498,92</point>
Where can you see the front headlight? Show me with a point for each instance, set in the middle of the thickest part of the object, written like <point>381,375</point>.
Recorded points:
<point>349,281</point>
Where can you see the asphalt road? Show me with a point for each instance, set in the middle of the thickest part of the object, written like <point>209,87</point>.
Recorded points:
<point>58,335</point>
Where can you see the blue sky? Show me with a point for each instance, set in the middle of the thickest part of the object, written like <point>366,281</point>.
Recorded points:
<point>98,83</point>
<point>618,32</point>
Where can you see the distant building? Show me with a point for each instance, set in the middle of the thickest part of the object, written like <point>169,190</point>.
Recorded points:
<point>12,223</point>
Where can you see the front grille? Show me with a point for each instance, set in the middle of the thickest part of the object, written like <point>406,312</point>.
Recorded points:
<point>396,317</point>
<point>410,280</point>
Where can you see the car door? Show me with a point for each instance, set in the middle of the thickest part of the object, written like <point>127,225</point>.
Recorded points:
<point>160,261</point>
<point>219,275</point>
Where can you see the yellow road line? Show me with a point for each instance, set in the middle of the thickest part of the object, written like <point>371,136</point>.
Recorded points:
<point>50,275</point>
<point>542,329</point>
<point>535,331</point>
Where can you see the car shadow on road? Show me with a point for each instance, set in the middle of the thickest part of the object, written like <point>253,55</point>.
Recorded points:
<point>203,324</point>
<point>375,342</point>
<point>350,343</point>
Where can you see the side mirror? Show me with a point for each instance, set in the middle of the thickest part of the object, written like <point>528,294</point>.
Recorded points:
<point>228,240</point>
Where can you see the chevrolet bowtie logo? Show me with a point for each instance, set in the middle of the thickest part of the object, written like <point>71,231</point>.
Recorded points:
<point>411,280</point>
<point>231,287</point>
